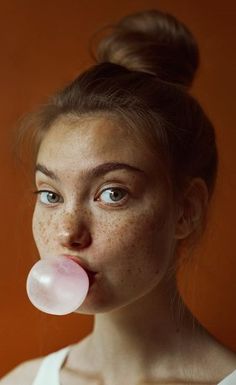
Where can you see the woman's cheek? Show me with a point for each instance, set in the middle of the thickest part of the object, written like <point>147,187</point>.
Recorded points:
<point>125,237</point>
<point>42,231</point>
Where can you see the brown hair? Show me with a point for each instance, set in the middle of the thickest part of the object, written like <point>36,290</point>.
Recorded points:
<point>143,71</point>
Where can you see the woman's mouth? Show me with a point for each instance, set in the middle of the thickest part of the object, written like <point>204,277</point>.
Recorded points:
<point>91,274</point>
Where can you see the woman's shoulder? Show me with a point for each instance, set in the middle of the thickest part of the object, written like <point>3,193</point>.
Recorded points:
<point>22,374</point>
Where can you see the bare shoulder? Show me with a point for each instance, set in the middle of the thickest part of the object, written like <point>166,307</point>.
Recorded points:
<point>23,374</point>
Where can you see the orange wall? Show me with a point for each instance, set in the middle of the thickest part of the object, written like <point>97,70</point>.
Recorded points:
<point>44,45</point>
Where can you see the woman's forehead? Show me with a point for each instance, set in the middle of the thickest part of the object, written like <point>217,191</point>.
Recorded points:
<point>94,139</point>
<point>76,147</point>
<point>85,131</point>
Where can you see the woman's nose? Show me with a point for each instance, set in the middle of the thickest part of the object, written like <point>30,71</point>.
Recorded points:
<point>74,234</point>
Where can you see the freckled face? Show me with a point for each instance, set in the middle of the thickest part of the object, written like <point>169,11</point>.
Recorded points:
<point>116,218</point>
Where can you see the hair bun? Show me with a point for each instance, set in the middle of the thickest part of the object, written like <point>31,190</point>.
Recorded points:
<point>153,42</point>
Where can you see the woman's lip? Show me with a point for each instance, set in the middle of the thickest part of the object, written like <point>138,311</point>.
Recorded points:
<point>81,263</point>
<point>91,274</point>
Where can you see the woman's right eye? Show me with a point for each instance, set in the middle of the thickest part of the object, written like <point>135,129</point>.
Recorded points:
<point>48,197</point>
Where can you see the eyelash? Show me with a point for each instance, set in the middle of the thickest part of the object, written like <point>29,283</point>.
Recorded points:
<point>98,198</point>
<point>113,189</point>
<point>40,192</point>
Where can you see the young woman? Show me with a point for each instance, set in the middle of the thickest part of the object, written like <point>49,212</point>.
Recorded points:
<point>126,163</point>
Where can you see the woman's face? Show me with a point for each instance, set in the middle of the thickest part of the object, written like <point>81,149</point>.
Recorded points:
<point>104,201</point>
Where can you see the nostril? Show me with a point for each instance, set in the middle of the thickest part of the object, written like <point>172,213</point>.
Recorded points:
<point>78,242</point>
<point>75,244</point>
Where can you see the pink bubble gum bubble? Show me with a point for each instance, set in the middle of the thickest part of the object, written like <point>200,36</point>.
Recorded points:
<point>57,285</point>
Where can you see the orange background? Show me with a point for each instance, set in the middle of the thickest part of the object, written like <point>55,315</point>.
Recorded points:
<point>44,44</point>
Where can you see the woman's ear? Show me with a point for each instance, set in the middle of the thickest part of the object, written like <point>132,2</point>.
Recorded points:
<point>192,210</point>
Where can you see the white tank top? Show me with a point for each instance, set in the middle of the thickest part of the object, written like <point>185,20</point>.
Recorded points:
<point>48,373</point>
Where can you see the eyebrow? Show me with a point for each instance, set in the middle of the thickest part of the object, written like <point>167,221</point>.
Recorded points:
<point>95,172</point>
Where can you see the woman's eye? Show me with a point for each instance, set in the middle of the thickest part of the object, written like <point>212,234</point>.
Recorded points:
<point>112,195</point>
<point>48,197</point>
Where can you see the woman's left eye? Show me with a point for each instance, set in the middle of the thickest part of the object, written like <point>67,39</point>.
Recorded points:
<point>112,195</point>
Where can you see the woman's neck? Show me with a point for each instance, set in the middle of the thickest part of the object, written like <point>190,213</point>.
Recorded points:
<point>153,339</point>
<point>154,329</point>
